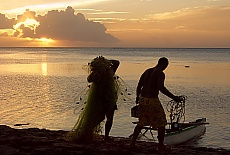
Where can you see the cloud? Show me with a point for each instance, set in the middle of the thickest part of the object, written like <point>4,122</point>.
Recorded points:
<point>197,19</point>
<point>6,23</point>
<point>108,12</point>
<point>15,8</point>
<point>190,27</point>
<point>58,25</point>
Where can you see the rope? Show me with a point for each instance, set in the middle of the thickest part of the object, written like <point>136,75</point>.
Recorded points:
<point>176,109</point>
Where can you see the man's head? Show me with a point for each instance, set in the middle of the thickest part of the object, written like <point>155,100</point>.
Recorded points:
<point>163,63</point>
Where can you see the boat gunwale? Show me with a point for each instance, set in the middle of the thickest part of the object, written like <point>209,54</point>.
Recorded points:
<point>182,130</point>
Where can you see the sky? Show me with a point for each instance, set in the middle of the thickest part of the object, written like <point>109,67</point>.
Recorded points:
<point>115,23</point>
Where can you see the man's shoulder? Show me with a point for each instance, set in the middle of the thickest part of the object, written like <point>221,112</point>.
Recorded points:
<point>157,72</point>
<point>149,69</point>
<point>154,69</point>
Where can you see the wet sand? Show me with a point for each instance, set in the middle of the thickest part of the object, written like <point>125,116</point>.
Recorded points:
<point>34,141</point>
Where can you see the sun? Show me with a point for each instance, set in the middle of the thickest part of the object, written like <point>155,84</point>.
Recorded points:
<point>45,41</point>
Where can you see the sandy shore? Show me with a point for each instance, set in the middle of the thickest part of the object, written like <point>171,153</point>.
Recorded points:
<point>34,141</point>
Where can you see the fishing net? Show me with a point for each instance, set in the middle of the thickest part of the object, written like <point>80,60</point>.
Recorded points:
<point>177,109</point>
<point>96,100</point>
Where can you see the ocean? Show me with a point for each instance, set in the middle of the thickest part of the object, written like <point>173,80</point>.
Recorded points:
<point>39,86</point>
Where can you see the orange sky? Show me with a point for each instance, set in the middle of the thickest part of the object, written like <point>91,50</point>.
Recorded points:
<point>115,23</point>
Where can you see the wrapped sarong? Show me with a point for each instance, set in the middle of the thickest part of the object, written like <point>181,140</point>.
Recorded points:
<point>151,113</point>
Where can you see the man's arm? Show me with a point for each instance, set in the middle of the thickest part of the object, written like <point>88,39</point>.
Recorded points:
<point>162,87</point>
<point>114,65</point>
<point>139,87</point>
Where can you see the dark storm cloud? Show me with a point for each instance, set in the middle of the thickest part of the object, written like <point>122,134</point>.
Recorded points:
<point>64,25</point>
<point>6,23</point>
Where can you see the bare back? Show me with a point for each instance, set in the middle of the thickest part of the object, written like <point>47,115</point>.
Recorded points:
<point>150,82</point>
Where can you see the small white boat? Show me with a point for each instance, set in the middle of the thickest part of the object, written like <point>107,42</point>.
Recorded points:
<point>183,132</point>
<point>177,133</point>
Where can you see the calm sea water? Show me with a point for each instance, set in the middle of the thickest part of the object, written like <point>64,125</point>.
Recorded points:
<point>38,86</point>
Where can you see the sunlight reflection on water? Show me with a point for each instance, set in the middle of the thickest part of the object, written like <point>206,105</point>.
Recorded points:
<point>40,89</point>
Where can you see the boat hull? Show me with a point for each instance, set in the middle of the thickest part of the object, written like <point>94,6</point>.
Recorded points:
<point>185,134</point>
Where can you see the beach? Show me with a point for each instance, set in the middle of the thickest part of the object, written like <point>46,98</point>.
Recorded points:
<point>35,141</point>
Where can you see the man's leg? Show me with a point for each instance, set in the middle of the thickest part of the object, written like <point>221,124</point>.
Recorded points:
<point>161,135</point>
<point>108,124</point>
<point>136,132</point>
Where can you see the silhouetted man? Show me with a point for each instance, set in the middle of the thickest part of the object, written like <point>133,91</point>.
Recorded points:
<point>150,109</point>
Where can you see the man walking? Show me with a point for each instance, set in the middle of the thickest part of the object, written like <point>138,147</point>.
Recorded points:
<point>150,109</point>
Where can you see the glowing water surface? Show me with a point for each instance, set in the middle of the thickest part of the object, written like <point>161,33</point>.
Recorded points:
<point>38,86</point>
